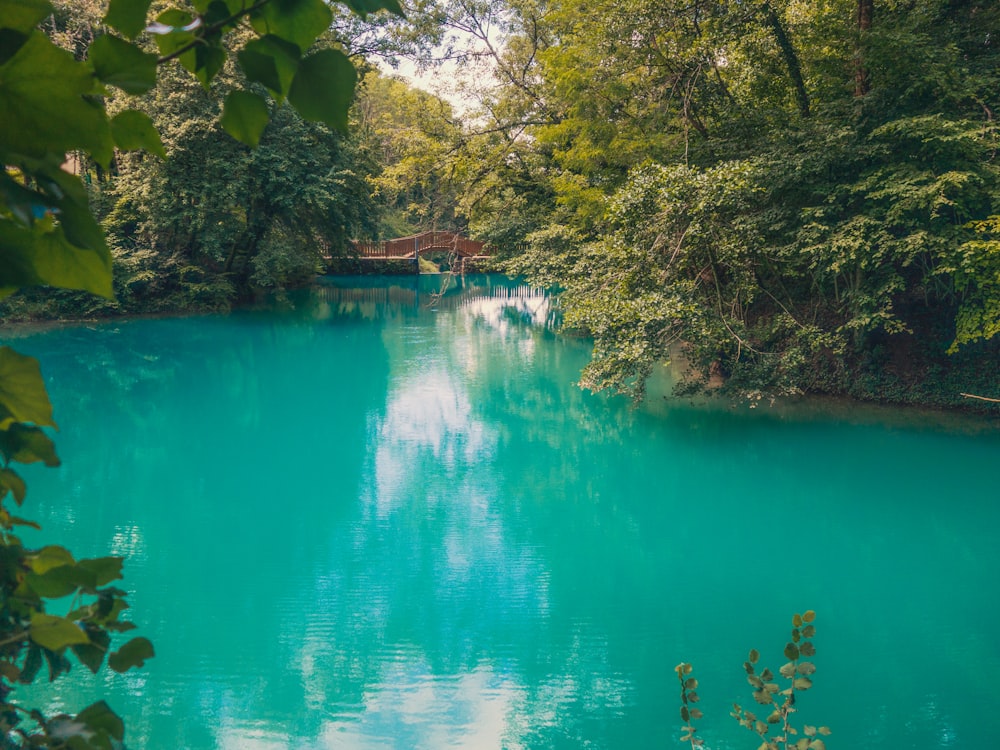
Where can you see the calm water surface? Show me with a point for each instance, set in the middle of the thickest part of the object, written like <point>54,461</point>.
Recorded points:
<point>385,519</point>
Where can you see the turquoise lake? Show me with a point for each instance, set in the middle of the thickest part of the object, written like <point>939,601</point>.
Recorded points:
<point>379,517</point>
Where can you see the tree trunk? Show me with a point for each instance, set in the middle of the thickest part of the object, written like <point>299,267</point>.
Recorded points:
<point>772,19</point>
<point>866,8</point>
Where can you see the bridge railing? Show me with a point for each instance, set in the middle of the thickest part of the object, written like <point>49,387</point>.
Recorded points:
<point>406,247</point>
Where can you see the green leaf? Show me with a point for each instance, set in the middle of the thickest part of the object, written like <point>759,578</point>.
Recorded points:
<point>61,581</point>
<point>32,663</point>
<point>323,88</point>
<point>754,656</point>
<point>806,668</point>
<point>809,616</point>
<point>797,620</point>
<point>133,130</point>
<point>27,445</point>
<point>42,90</point>
<point>101,718</point>
<point>22,391</point>
<point>23,15</point>
<point>79,229</point>
<point>244,117</point>
<point>132,654</point>
<point>802,683</point>
<point>110,605</point>
<point>204,60</point>
<point>58,664</point>
<point>791,651</point>
<point>10,481</point>
<point>10,42</point>
<point>296,21</point>
<point>270,61</point>
<point>364,7</point>
<point>119,63</point>
<point>50,557</point>
<point>128,16</point>
<point>808,649</point>
<point>9,671</point>
<point>55,633</point>
<point>120,626</point>
<point>17,521</point>
<point>91,655</point>
<point>219,12</point>
<point>45,254</point>
<point>105,569</point>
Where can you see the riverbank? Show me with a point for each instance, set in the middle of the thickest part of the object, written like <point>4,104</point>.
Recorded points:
<point>908,376</point>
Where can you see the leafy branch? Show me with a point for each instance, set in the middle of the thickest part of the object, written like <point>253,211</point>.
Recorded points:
<point>207,31</point>
<point>779,702</point>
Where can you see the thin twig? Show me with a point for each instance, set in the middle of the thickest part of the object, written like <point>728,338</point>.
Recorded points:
<point>981,398</point>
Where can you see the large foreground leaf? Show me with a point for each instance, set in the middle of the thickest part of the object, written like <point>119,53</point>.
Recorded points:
<point>272,62</point>
<point>55,633</point>
<point>23,15</point>
<point>364,7</point>
<point>132,654</point>
<point>134,130</point>
<point>323,88</point>
<point>22,391</point>
<point>244,117</point>
<point>42,90</point>
<point>297,21</point>
<point>48,257</point>
<point>118,63</point>
<point>128,16</point>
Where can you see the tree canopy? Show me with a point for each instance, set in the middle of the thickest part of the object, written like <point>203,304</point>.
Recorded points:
<point>784,195</point>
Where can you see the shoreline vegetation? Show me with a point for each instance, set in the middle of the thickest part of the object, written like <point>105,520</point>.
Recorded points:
<point>965,415</point>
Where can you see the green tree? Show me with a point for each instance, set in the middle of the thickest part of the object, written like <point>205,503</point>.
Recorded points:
<point>824,209</point>
<point>412,135</point>
<point>218,218</point>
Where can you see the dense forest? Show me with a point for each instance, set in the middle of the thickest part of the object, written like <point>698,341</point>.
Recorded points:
<point>784,196</point>
<point>787,196</point>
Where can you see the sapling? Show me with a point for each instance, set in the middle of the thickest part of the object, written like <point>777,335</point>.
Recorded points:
<point>778,701</point>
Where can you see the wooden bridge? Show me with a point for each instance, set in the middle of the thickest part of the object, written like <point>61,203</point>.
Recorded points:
<point>422,244</point>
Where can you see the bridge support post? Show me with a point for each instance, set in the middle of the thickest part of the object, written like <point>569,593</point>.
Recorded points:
<point>416,256</point>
